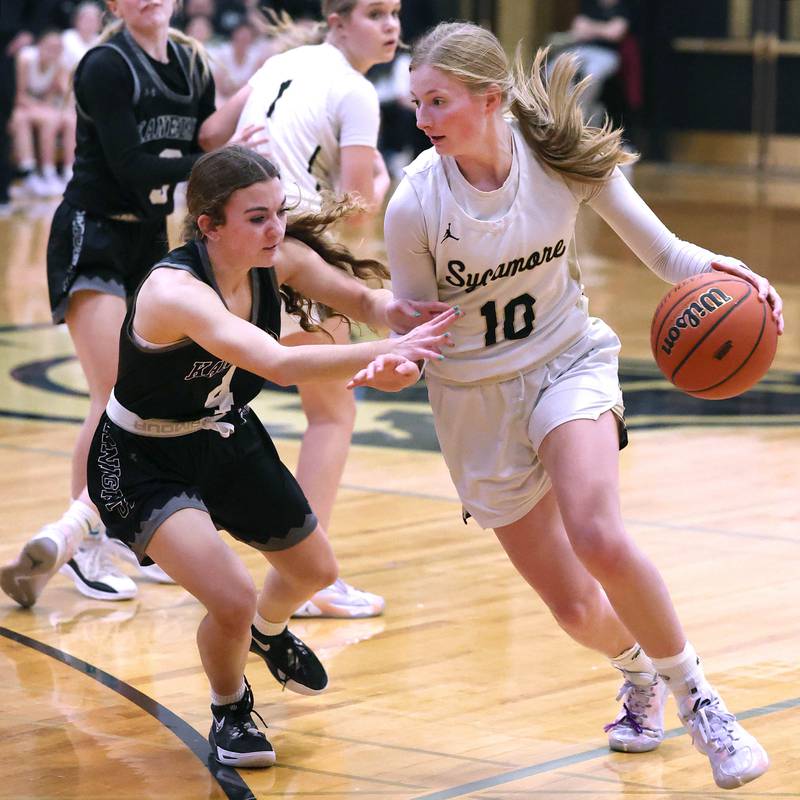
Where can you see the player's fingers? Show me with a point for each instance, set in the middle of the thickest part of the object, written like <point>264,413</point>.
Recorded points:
<point>406,367</point>
<point>776,302</point>
<point>429,308</point>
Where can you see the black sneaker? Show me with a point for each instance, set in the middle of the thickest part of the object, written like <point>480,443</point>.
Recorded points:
<point>234,737</point>
<point>290,661</point>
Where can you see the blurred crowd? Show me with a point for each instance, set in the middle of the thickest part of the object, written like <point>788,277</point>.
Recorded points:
<point>41,124</point>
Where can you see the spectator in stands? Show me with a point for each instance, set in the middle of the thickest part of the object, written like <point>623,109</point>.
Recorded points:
<point>200,28</point>
<point>594,38</point>
<point>236,61</point>
<point>19,21</point>
<point>86,24</point>
<point>42,113</point>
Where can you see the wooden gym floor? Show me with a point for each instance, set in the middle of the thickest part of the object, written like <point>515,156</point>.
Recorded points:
<point>465,688</point>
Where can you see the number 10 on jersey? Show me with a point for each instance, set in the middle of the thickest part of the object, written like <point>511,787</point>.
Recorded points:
<point>512,327</point>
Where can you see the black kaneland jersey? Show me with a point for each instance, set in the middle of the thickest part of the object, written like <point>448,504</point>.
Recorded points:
<point>182,381</point>
<point>137,128</point>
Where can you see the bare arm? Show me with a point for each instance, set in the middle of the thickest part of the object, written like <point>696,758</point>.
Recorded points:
<point>304,269</point>
<point>173,305</point>
<point>381,179</point>
<point>217,129</point>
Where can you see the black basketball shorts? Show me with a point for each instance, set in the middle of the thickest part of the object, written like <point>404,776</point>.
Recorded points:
<point>137,482</point>
<point>99,254</point>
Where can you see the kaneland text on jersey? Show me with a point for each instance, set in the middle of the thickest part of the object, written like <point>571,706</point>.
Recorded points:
<point>167,126</point>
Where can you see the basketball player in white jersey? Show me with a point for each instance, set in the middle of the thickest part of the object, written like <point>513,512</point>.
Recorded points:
<point>321,116</point>
<point>486,220</point>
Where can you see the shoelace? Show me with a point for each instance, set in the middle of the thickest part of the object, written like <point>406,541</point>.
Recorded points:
<point>246,724</point>
<point>637,701</point>
<point>715,726</point>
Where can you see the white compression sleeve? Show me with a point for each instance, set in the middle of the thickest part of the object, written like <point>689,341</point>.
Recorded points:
<point>661,250</point>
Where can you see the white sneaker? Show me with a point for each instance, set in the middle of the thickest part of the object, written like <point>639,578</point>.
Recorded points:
<point>341,600</point>
<point>35,185</point>
<point>24,579</point>
<point>52,185</point>
<point>124,553</point>
<point>639,727</point>
<point>95,574</point>
<point>736,757</point>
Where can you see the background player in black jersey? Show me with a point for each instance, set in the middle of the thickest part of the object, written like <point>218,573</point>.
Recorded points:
<point>141,97</point>
<point>178,453</point>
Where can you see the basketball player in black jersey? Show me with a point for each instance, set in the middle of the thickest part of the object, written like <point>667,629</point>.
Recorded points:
<point>141,96</point>
<point>178,453</point>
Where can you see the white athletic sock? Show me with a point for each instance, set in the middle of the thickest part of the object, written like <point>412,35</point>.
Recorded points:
<point>227,699</point>
<point>29,165</point>
<point>76,523</point>
<point>684,676</point>
<point>48,171</point>
<point>267,628</point>
<point>636,664</point>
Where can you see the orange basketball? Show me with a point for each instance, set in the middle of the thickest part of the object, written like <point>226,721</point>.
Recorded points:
<point>712,337</point>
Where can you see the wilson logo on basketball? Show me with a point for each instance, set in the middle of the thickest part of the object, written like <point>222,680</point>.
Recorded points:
<point>690,317</point>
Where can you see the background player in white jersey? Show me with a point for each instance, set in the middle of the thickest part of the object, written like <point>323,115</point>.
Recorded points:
<point>178,453</point>
<point>322,118</point>
<point>486,220</point>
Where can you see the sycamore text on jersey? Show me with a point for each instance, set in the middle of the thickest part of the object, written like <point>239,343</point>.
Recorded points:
<point>507,269</point>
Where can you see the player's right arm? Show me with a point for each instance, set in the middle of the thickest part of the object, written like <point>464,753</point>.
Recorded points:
<point>218,129</point>
<point>173,305</point>
<point>411,264</point>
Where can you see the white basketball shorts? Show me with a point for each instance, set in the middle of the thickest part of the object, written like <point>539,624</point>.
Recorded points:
<point>490,433</point>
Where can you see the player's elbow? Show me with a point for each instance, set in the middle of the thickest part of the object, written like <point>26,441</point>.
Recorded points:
<point>280,369</point>
<point>208,138</point>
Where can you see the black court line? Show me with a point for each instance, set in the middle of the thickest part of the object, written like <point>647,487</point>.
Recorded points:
<point>228,779</point>
<point>39,417</point>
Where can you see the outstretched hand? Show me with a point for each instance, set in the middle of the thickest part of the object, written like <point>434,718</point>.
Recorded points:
<point>403,316</point>
<point>428,339</point>
<point>389,373</point>
<point>766,292</point>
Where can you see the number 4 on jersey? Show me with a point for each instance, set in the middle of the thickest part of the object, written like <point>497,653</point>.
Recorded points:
<point>160,195</point>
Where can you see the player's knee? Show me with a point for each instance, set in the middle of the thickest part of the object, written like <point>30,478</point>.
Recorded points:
<point>235,612</point>
<point>576,615</point>
<point>604,550</point>
<point>339,410</point>
<point>323,572</point>
<point>320,572</point>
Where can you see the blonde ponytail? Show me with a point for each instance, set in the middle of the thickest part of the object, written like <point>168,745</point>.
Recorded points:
<point>284,33</point>
<point>551,120</point>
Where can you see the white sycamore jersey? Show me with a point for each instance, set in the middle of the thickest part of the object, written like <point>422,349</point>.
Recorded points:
<point>312,103</point>
<point>507,257</point>
<point>515,278</point>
